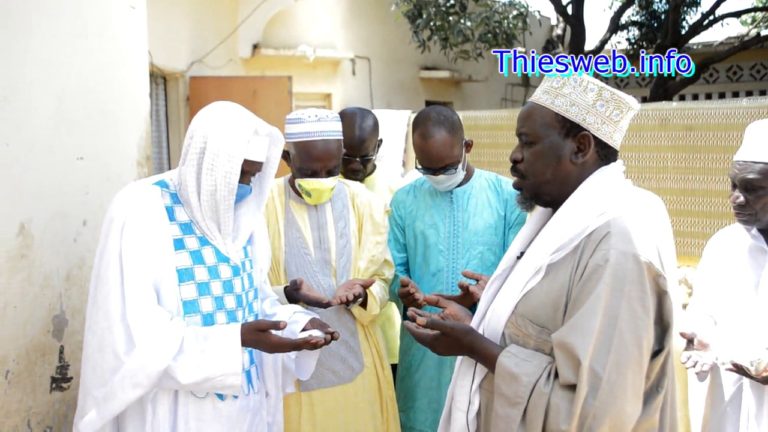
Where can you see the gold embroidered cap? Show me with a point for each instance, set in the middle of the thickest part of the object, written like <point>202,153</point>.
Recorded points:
<point>598,108</point>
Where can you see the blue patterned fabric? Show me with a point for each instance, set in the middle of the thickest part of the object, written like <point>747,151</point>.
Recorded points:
<point>214,289</point>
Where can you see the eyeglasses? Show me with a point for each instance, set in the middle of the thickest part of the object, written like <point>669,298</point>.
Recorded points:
<point>451,170</point>
<point>440,171</point>
<point>362,159</point>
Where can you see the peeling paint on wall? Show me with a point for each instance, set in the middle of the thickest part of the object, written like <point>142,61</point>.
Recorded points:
<point>48,236</point>
<point>60,381</point>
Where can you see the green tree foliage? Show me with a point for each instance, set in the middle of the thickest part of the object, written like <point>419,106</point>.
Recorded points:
<point>465,29</point>
<point>469,29</point>
<point>756,21</point>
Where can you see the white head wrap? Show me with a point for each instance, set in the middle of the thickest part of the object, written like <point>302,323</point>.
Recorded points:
<point>754,145</point>
<point>598,108</point>
<point>219,138</point>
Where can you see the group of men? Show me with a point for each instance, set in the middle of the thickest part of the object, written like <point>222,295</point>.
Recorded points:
<point>538,304</point>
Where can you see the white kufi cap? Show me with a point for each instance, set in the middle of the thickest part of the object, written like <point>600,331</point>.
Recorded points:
<point>312,124</point>
<point>598,108</point>
<point>754,145</point>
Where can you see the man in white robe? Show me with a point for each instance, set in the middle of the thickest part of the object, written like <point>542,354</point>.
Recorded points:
<point>574,329</point>
<point>180,314</point>
<point>727,319</point>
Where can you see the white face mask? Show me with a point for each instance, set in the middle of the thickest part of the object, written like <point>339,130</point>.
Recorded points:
<point>447,182</point>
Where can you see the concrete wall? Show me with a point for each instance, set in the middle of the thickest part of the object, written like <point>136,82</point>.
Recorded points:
<point>372,29</point>
<point>181,31</point>
<point>74,106</point>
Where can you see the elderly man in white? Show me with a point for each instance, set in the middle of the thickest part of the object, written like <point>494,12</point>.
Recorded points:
<point>727,325</point>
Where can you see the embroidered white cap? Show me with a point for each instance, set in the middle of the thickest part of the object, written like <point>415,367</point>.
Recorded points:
<point>598,108</point>
<point>312,124</point>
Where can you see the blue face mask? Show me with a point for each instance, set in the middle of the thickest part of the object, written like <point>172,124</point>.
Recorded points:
<point>242,192</point>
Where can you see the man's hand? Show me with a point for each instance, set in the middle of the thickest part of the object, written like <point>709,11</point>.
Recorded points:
<point>470,294</point>
<point>697,355</point>
<point>451,311</point>
<point>300,292</point>
<point>318,324</point>
<point>258,335</point>
<point>351,292</point>
<point>446,337</point>
<point>410,294</point>
<point>442,336</point>
<point>742,370</point>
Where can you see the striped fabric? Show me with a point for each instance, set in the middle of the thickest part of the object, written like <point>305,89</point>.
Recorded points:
<point>312,124</point>
<point>214,289</point>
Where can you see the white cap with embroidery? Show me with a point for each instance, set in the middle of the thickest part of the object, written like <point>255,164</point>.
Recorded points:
<point>598,108</point>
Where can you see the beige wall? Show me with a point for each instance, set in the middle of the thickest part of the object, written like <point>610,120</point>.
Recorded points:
<point>180,31</point>
<point>74,106</point>
<point>371,28</point>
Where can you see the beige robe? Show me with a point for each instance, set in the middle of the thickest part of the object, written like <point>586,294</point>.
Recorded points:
<point>589,347</point>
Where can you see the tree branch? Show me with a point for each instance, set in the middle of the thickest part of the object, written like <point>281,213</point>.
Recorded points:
<point>742,45</point>
<point>670,29</point>
<point>703,18</point>
<point>735,14</point>
<point>578,36</point>
<point>562,11</point>
<point>613,26</point>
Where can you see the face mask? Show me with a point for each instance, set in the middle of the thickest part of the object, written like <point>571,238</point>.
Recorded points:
<point>447,182</point>
<point>242,192</point>
<point>316,191</point>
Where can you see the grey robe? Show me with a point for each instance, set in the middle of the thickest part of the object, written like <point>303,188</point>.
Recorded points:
<point>588,348</point>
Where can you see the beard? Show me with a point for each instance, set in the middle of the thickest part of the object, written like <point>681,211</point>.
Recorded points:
<point>525,203</point>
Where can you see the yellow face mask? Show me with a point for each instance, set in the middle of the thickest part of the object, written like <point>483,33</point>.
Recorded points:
<point>316,191</point>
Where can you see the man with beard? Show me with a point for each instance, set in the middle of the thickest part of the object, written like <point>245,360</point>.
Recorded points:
<point>574,328</point>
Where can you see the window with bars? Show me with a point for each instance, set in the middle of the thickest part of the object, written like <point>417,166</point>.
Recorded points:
<point>161,161</point>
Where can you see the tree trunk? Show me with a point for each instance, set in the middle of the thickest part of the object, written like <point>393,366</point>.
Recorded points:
<point>578,28</point>
<point>662,89</point>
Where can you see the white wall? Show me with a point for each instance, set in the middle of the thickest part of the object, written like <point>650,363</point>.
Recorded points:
<point>373,29</point>
<point>74,105</point>
<point>180,31</point>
